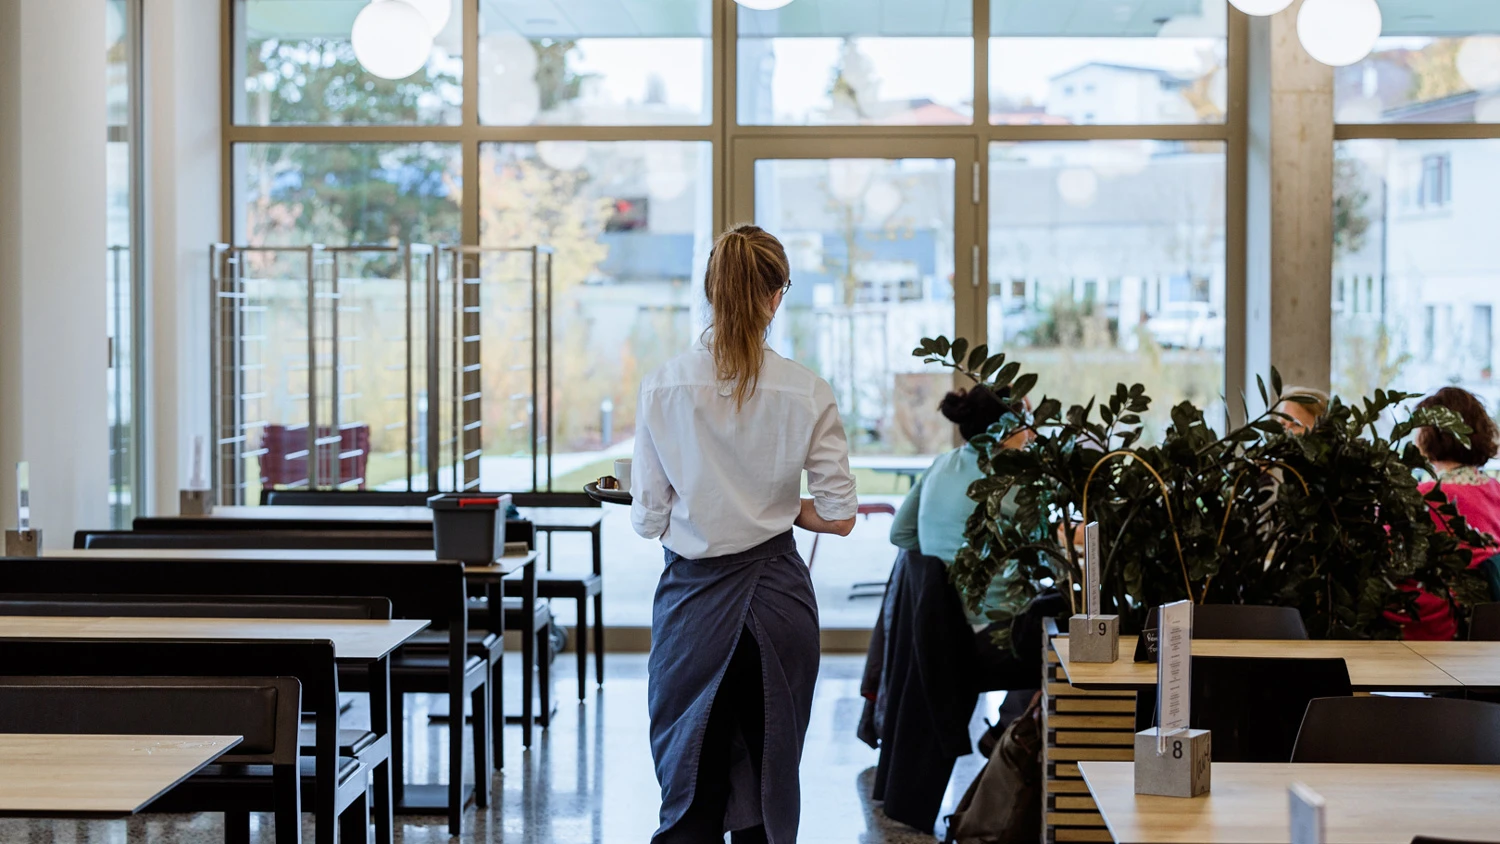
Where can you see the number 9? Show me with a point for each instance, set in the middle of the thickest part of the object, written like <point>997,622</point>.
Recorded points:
<point>1101,628</point>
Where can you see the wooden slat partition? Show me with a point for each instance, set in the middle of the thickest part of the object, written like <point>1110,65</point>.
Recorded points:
<point>1079,726</point>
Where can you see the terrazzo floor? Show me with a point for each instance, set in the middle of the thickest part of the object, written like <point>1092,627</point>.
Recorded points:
<point>588,779</point>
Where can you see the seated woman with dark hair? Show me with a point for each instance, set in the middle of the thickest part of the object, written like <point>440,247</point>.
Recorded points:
<point>932,519</point>
<point>1476,495</point>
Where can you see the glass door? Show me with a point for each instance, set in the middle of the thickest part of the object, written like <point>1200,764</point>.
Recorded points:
<point>881,240</point>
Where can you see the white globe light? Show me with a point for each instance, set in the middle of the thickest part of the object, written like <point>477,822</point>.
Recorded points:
<point>1339,32</point>
<point>1479,62</point>
<point>436,12</point>
<point>563,155</point>
<point>391,39</point>
<point>763,5</point>
<point>1260,8</point>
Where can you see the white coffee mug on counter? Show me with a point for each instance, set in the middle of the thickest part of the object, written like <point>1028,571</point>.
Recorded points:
<point>622,473</point>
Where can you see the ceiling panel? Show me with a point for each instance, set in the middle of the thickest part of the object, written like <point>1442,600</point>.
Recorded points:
<point>838,18</point>
<point>1440,17</point>
<point>1093,18</point>
<point>599,18</point>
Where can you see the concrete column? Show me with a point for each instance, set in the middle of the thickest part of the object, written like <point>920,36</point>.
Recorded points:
<point>53,342</point>
<point>182,211</point>
<point>1290,225</point>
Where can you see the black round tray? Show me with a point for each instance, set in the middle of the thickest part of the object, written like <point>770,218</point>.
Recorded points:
<point>607,496</point>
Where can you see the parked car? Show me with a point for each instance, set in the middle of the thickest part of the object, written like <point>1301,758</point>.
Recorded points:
<point>1187,325</point>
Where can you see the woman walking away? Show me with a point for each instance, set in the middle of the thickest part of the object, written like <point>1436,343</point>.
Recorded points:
<point>723,434</point>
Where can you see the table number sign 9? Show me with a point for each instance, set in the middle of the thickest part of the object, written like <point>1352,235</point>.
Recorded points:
<point>23,541</point>
<point>1171,759</point>
<point>1093,637</point>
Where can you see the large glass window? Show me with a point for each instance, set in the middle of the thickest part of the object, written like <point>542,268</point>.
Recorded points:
<point>1414,288</point>
<point>292,194</point>
<point>1439,63</point>
<point>630,223</point>
<point>294,64</point>
<point>122,270</point>
<point>600,66</point>
<point>836,63</point>
<point>1107,266</point>
<point>345,196</point>
<point>1150,63</point>
<point>871,245</point>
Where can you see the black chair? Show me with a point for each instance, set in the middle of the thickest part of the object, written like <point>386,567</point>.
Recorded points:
<point>550,585</point>
<point>1484,626</point>
<point>1226,621</point>
<point>261,773</point>
<point>339,783</point>
<point>1254,706</point>
<point>1399,731</point>
<point>341,498</point>
<point>374,540</point>
<point>360,744</point>
<point>481,641</point>
<point>1242,621</point>
<point>433,591</point>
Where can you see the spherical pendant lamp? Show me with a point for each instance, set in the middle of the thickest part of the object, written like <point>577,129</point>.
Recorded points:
<point>1260,8</point>
<point>763,5</point>
<point>391,39</point>
<point>1339,32</point>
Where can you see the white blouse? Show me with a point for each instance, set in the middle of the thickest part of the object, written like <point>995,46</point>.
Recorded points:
<point>710,480</point>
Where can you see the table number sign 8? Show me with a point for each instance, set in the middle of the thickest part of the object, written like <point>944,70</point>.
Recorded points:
<point>1172,759</point>
<point>1093,637</point>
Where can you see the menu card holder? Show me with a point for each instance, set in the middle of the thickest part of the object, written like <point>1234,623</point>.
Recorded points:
<point>197,499</point>
<point>1092,637</point>
<point>23,541</point>
<point>1172,760</point>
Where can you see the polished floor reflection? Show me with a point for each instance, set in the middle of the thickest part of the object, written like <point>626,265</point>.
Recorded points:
<point>587,780</point>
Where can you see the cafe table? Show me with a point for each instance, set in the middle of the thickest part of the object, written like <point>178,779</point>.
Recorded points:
<point>97,776</point>
<point>1475,664</point>
<point>367,642</point>
<point>1373,665</point>
<point>1248,804</point>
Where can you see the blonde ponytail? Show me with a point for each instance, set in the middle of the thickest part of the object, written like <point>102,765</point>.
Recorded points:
<point>745,270</point>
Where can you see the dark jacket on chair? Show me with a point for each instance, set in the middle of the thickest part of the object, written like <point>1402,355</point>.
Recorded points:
<point>926,693</point>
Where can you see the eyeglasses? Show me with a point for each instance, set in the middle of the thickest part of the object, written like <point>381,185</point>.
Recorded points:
<point>786,287</point>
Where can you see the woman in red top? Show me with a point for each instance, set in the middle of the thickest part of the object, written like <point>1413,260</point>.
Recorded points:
<point>1476,496</point>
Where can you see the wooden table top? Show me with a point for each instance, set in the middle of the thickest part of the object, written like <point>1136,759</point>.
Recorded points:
<point>1475,664</point>
<point>500,568</point>
<point>1367,804</point>
<point>354,640</point>
<point>545,518</point>
<point>1373,666</point>
<point>99,776</point>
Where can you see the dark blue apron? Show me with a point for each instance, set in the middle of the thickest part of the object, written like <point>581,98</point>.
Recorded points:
<point>700,609</point>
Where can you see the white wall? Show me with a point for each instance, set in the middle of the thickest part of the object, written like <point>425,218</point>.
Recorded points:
<point>53,349</point>
<point>182,212</point>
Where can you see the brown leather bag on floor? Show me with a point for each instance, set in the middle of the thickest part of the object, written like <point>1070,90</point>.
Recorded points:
<point>1004,803</point>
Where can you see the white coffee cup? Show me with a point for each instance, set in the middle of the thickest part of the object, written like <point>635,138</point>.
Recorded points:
<point>622,473</point>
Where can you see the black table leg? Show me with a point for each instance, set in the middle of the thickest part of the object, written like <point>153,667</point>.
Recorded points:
<point>597,533</point>
<point>380,724</point>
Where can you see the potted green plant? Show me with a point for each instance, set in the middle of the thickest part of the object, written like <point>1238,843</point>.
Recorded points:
<point>1331,521</point>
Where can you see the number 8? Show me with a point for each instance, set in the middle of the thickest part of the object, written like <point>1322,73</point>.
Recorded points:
<point>1176,750</point>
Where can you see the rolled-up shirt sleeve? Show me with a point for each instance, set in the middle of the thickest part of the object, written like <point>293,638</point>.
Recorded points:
<point>650,491</point>
<point>828,477</point>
